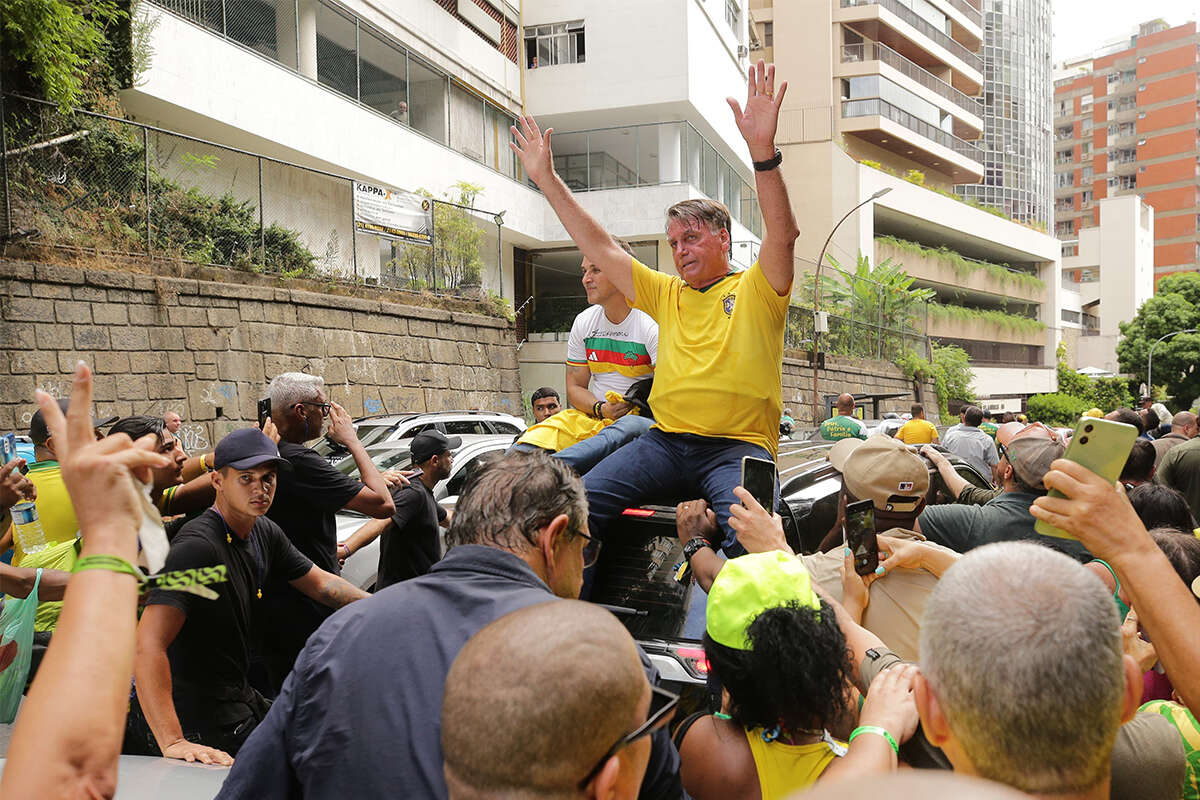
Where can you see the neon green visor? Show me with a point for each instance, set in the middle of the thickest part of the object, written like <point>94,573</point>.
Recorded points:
<point>749,585</point>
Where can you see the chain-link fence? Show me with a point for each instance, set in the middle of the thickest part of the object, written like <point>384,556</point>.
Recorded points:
<point>104,184</point>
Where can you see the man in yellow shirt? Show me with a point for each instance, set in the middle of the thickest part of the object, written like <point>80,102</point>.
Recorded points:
<point>917,430</point>
<point>717,386</point>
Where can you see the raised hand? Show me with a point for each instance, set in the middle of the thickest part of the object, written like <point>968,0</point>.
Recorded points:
<point>761,115</point>
<point>15,487</point>
<point>533,148</point>
<point>341,426</point>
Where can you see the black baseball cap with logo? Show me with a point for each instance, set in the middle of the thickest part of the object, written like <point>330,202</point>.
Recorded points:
<point>39,433</point>
<point>427,444</point>
<point>246,448</point>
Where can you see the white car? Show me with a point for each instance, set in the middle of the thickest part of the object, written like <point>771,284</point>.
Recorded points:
<point>362,568</point>
<point>399,427</point>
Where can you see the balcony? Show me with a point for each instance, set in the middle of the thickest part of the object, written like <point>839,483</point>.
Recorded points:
<point>982,328</point>
<point>651,155</point>
<point>899,41</point>
<point>871,115</point>
<point>873,51</point>
<point>988,283</point>
<point>969,11</point>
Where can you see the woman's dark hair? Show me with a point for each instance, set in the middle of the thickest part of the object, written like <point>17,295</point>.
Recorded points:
<point>138,426</point>
<point>1182,549</point>
<point>795,675</point>
<point>1161,507</point>
<point>1139,466</point>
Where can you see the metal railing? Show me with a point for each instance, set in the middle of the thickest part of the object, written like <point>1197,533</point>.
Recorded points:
<point>972,60</point>
<point>653,154</point>
<point>873,51</point>
<point>874,106</point>
<point>103,184</point>
<point>971,12</point>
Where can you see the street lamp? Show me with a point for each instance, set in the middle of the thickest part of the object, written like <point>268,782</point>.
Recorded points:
<point>1150,360</point>
<point>817,295</point>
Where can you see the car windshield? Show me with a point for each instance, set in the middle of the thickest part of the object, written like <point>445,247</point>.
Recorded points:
<point>388,459</point>
<point>370,434</point>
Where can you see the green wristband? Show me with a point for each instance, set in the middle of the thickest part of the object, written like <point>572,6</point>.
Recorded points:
<point>110,563</point>
<point>876,730</point>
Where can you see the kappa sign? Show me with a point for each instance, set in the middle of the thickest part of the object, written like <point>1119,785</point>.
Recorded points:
<point>393,213</point>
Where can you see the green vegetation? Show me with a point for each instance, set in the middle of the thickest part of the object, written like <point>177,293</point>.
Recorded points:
<point>454,258</point>
<point>1174,307</point>
<point>950,372</point>
<point>1002,319</point>
<point>964,268</point>
<point>1076,394</point>
<point>917,177</point>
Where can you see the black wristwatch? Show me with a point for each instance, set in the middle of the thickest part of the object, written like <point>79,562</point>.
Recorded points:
<point>694,545</point>
<point>771,163</point>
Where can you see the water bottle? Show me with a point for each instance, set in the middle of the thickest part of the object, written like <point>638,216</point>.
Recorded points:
<point>29,533</point>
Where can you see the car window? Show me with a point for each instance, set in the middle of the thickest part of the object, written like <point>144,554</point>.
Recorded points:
<point>505,428</point>
<point>454,487</point>
<point>370,434</point>
<point>466,426</point>
<point>414,430</point>
<point>390,459</point>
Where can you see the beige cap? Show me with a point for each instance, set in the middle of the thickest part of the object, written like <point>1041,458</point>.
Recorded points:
<point>841,451</point>
<point>884,471</point>
<point>1031,457</point>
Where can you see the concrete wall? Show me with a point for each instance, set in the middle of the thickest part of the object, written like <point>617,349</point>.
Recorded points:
<point>206,349</point>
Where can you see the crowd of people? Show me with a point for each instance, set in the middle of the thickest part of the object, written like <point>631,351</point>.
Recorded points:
<point>998,661</point>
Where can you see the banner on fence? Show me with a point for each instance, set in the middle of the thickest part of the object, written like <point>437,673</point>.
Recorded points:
<point>393,213</point>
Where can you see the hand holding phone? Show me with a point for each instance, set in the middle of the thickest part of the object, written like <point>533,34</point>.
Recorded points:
<point>758,478</point>
<point>860,536</point>
<point>264,410</point>
<point>1100,445</point>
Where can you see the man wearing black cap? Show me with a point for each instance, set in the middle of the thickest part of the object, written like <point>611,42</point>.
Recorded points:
<point>193,654</point>
<point>410,543</point>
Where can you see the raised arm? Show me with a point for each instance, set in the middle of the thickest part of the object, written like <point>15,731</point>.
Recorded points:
<point>955,483</point>
<point>758,123</point>
<point>532,146</point>
<point>374,499</point>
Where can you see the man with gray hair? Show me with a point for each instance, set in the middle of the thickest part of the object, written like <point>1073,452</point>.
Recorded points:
<point>1023,679</point>
<point>517,539</point>
<point>306,499</point>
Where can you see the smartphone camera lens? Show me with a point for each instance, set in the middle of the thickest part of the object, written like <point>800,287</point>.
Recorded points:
<point>1088,428</point>
<point>1083,440</point>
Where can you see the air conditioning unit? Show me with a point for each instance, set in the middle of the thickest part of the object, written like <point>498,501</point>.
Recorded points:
<point>743,51</point>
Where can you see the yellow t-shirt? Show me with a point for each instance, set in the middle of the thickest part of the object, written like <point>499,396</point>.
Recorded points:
<point>54,508</point>
<point>917,431</point>
<point>560,431</point>
<point>720,354</point>
<point>784,769</point>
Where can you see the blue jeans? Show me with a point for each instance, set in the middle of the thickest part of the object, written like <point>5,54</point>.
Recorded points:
<point>669,468</point>
<point>591,451</point>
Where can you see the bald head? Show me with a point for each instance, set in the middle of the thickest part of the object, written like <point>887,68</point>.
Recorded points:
<point>1021,647</point>
<point>913,785</point>
<point>845,404</point>
<point>536,698</point>
<point>1184,422</point>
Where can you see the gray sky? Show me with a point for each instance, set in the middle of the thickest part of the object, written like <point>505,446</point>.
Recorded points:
<point>1080,26</point>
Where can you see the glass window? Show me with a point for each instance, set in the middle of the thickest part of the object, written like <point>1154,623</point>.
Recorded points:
<point>732,14</point>
<point>427,100</point>
<point>466,122</point>
<point>769,34</point>
<point>383,75</point>
<point>549,45</point>
<point>460,427</point>
<point>337,65</point>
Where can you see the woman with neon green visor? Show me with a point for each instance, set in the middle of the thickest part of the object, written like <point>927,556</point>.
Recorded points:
<point>782,660</point>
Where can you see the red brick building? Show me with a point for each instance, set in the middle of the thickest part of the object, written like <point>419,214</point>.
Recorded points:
<point>1127,121</point>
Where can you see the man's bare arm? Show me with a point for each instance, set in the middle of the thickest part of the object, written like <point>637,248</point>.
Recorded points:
<point>533,148</point>
<point>578,394</point>
<point>955,483</point>
<point>757,124</point>
<point>328,589</point>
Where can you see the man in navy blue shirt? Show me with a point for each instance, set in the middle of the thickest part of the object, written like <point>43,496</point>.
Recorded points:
<point>361,710</point>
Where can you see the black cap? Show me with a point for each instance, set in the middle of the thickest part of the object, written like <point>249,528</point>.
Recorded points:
<point>246,448</point>
<point>427,444</point>
<point>39,433</point>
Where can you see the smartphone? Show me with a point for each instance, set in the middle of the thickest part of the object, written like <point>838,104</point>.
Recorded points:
<point>8,447</point>
<point>860,536</point>
<point>1102,446</point>
<point>758,478</point>
<point>264,410</point>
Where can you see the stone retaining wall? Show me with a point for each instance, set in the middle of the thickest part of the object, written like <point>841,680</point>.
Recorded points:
<point>206,349</point>
<point>853,376</point>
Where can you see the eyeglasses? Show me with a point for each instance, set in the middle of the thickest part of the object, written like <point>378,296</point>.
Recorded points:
<point>662,709</point>
<point>1001,450</point>
<point>591,550</point>
<point>323,406</point>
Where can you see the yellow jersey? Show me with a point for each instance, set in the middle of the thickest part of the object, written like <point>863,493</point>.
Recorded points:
<point>720,354</point>
<point>784,769</point>
<point>917,431</point>
<point>560,431</point>
<point>57,515</point>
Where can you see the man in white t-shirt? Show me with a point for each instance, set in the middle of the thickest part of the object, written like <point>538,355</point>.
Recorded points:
<point>610,347</point>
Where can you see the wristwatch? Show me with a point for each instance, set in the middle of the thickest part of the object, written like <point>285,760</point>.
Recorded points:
<point>771,163</point>
<point>694,545</point>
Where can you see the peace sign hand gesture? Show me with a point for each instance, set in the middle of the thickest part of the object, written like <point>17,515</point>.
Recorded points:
<point>758,122</point>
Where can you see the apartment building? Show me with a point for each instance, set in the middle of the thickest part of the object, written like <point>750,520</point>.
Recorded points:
<point>1127,121</point>
<point>420,94</point>
<point>885,94</point>
<point>1017,91</point>
<point>1106,280</point>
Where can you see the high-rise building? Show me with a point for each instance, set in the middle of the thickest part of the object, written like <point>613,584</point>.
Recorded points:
<point>885,94</point>
<point>1127,121</point>
<point>1017,137</point>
